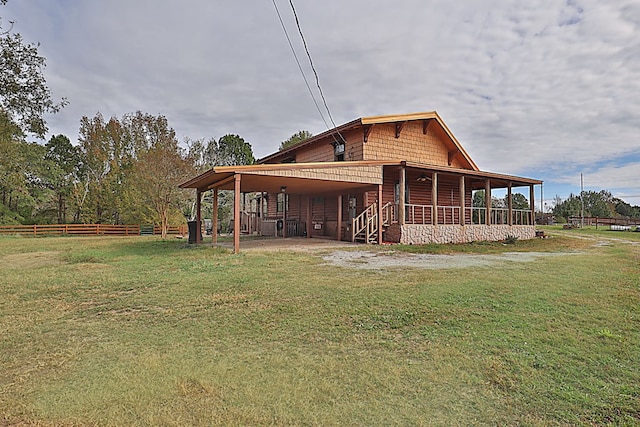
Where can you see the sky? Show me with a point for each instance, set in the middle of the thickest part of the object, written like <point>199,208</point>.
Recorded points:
<point>546,89</point>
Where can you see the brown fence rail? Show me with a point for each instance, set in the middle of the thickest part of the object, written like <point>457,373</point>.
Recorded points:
<point>84,230</point>
<point>592,220</point>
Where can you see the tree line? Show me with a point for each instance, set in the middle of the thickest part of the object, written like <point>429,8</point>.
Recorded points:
<point>122,171</point>
<point>599,204</point>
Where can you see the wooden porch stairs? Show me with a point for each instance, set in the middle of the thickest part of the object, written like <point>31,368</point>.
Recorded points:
<point>364,227</point>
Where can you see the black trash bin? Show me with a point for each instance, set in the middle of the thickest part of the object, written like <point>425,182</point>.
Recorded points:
<point>193,229</point>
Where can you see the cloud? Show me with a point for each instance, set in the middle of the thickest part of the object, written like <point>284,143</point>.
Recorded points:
<point>542,88</point>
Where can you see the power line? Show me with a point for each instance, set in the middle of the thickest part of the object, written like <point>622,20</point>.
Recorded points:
<point>300,66</point>
<point>313,68</point>
<point>315,73</point>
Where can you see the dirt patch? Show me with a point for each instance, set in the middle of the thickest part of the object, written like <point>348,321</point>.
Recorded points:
<point>297,244</point>
<point>30,260</point>
<point>391,259</point>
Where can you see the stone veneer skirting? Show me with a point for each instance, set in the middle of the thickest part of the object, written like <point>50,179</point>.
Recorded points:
<point>413,234</point>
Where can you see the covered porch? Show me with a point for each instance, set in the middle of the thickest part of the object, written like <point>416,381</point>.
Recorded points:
<point>277,185</point>
<point>362,201</point>
<point>449,205</point>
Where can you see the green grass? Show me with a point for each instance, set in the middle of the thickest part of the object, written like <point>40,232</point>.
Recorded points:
<point>139,331</point>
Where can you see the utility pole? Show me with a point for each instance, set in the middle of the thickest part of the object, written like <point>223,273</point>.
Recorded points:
<point>581,201</point>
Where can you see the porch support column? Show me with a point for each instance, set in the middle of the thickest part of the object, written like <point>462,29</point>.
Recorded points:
<point>509,205</point>
<point>284,215</point>
<point>260,213</point>
<point>309,217</point>
<point>487,201</point>
<point>434,198</point>
<point>339,231</point>
<point>198,215</point>
<point>462,201</point>
<point>380,221</point>
<point>401,196</point>
<point>236,214</point>
<point>532,205</point>
<point>214,217</point>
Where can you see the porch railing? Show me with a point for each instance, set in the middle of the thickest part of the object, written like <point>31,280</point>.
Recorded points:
<point>365,225</point>
<point>389,214</point>
<point>418,214</point>
<point>448,214</point>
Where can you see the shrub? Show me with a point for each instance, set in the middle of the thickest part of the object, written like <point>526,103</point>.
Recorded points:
<point>510,240</point>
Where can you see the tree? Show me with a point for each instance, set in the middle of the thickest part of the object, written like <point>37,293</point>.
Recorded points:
<point>295,138</point>
<point>233,150</point>
<point>157,173</point>
<point>24,95</point>
<point>518,201</point>
<point>62,169</point>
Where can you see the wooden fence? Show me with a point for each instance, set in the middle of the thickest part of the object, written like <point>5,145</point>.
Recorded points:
<point>87,230</point>
<point>588,220</point>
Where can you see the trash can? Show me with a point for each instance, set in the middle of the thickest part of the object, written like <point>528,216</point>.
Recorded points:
<point>193,229</point>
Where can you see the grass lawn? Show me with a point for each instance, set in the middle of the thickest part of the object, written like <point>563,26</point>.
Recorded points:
<point>139,331</point>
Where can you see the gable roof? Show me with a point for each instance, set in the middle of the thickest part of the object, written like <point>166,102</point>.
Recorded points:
<point>368,122</point>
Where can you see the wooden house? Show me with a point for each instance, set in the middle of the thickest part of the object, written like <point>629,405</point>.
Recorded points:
<point>398,178</point>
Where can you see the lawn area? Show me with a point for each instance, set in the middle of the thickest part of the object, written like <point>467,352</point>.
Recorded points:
<point>140,332</point>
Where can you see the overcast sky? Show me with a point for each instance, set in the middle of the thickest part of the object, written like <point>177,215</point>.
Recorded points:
<point>546,89</point>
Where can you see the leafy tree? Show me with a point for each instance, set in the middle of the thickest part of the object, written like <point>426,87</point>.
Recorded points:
<point>233,150</point>
<point>62,168</point>
<point>295,138</point>
<point>24,95</point>
<point>157,174</point>
<point>596,204</point>
<point>519,201</point>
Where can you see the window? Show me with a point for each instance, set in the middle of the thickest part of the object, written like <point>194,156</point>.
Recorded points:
<point>396,192</point>
<point>338,152</point>
<point>282,199</point>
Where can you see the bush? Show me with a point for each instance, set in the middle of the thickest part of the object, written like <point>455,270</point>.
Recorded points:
<point>510,240</point>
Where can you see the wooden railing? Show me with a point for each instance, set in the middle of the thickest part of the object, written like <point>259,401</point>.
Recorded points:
<point>418,214</point>
<point>84,230</point>
<point>448,214</point>
<point>365,224</point>
<point>389,214</point>
<point>588,220</point>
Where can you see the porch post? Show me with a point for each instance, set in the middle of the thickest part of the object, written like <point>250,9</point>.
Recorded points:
<point>284,215</point>
<point>309,216</point>
<point>380,221</point>
<point>340,217</point>
<point>198,214</point>
<point>401,196</point>
<point>462,202</point>
<point>214,219</point>
<point>487,201</point>
<point>236,214</point>
<point>434,198</point>
<point>259,213</point>
<point>510,205</point>
<point>532,205</point>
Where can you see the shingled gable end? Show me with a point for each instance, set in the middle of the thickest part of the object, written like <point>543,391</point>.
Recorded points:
<point>345,184</point>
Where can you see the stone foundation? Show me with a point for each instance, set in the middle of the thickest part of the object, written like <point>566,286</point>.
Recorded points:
<point>422,234</point>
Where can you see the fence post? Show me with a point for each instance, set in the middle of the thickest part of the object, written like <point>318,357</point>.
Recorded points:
<point>35,230</point>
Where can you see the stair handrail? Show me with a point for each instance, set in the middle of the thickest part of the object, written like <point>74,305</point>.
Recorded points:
<point>387,213</point>
<point>361,222</point>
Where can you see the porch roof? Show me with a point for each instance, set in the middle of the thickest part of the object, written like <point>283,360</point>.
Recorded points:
<point>496,178</point>
<point>329,177</point>
<point>311,178</point>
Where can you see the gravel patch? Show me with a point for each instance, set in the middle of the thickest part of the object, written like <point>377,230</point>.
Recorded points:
<point>391,259</point>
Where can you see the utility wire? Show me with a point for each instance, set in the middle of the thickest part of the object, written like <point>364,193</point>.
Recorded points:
<point>300,67</point>
<point>315,73</point>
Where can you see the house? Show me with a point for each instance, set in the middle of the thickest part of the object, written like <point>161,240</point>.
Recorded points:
<point>397,178</point>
